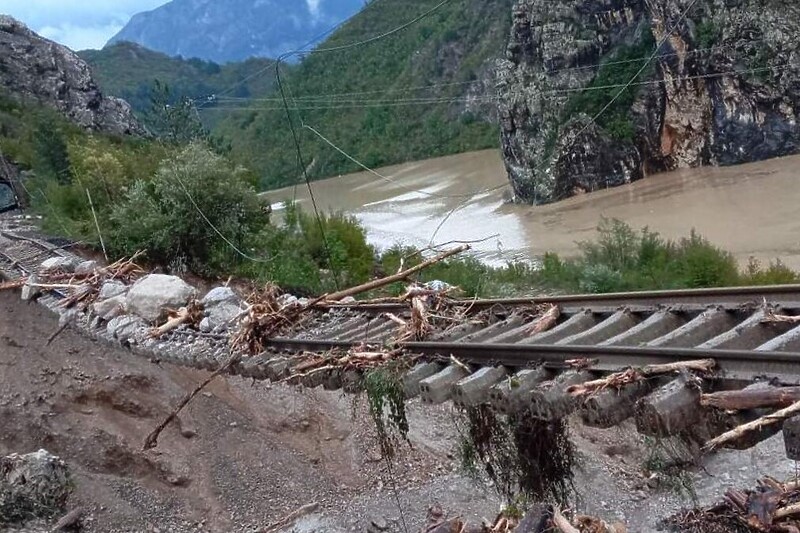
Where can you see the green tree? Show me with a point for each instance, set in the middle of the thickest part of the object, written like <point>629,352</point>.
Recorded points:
<point>194,211</point>
<point>174,120</point>
<point>51,156</point>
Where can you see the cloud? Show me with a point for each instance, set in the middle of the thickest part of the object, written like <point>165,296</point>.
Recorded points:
<point>313,7</point>
<point>78,24</point>
<point>80,37</point>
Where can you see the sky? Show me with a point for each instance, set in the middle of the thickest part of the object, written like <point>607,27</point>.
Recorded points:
<point>78,24</point>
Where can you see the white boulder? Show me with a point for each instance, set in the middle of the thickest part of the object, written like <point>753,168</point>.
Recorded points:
<point>30,290</point>
<point>221,305</point>
<point>54,264</point>
<point>151,296</point>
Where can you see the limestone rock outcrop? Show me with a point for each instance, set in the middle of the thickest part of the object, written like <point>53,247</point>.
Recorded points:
<point>722,88</point>
<point>33,68</point>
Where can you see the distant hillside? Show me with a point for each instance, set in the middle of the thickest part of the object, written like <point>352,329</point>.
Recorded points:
<point>234,30</point>
<point>128,71</point>
<point>384,116</point>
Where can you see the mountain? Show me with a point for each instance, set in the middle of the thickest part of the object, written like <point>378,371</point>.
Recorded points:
<point>426,90</point>
<point>36,70</point>
<point>723,88</point>
<point>129,71</point>
<point>234,30</point>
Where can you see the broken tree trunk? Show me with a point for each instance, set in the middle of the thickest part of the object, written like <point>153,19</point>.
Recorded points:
<point>561,522</point>
<point>756,425</point>
<point>738,400</point>
<point>400,276</point>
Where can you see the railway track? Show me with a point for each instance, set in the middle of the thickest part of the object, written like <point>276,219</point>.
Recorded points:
<point>491,356</point>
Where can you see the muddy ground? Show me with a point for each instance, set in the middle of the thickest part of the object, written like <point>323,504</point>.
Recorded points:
<point>245,454</point>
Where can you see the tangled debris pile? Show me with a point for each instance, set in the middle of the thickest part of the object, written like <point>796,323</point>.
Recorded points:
<point>771,507</point>
<point>540,519</point>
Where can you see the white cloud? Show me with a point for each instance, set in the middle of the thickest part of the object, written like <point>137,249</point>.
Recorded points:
<point>80,37</point>
<point>313,7</point>
<point>78,24</point>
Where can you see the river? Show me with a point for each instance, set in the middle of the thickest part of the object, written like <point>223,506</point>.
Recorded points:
<point>749,210</point>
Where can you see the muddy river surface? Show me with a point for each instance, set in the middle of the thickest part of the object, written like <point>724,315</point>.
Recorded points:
<point>749,210</point>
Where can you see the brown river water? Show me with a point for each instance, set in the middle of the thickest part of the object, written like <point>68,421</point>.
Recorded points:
<point>749,210</point>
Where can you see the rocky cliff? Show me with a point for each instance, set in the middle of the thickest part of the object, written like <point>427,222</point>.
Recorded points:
<point>35,69</point>
<point>722,88</point>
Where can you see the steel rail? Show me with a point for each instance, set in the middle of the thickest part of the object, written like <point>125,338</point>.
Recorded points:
<point>734,364</point>
<point>727,296</point>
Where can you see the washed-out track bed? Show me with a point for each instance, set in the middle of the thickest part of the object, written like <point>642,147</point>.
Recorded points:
<point>495,360</point>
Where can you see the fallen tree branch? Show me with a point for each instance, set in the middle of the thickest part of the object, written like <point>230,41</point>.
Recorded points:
<point>152,439</point>
<point>190,314</point>
<point>770,318</point>
<point>546,321</point>
<point>738,400</point>
<point>58,332</point>
<point>618,380</point>
<point>400,276</point>
<point>290,518</point>
<point>738,432</point>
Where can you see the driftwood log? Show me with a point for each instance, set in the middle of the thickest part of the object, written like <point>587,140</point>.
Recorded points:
<point>744,430</point>
<point>738,400</point>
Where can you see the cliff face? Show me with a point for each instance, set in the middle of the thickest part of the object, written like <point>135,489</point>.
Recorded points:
<point>34,68</point>
<point>724,88</point>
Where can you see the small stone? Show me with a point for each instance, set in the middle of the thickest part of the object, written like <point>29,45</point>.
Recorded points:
<point>188,433</point>
<point>110,308</point>
<point>86,268</point>
<point>29,291</point>
<point>380,524</point>
<point>69,316</point>
<point>125,328</point>
<point>112,288</point>
<point>205,325</point>
<point>220,295</point>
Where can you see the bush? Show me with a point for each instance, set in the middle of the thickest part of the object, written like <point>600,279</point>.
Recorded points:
<point>195,203</point>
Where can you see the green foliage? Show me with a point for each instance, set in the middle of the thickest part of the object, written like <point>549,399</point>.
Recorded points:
<point>50,149</point>
<point>707,34</point>
<point>622,259</point>
<point>338,242</point>
<point>776,274</point>
<point>620,68</point>
<point>128,71</point>
<point>454,46</point>
<point>178,216</point>
<point>174,120</point>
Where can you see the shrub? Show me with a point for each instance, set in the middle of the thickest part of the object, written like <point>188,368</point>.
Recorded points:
<point>195,202</point>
